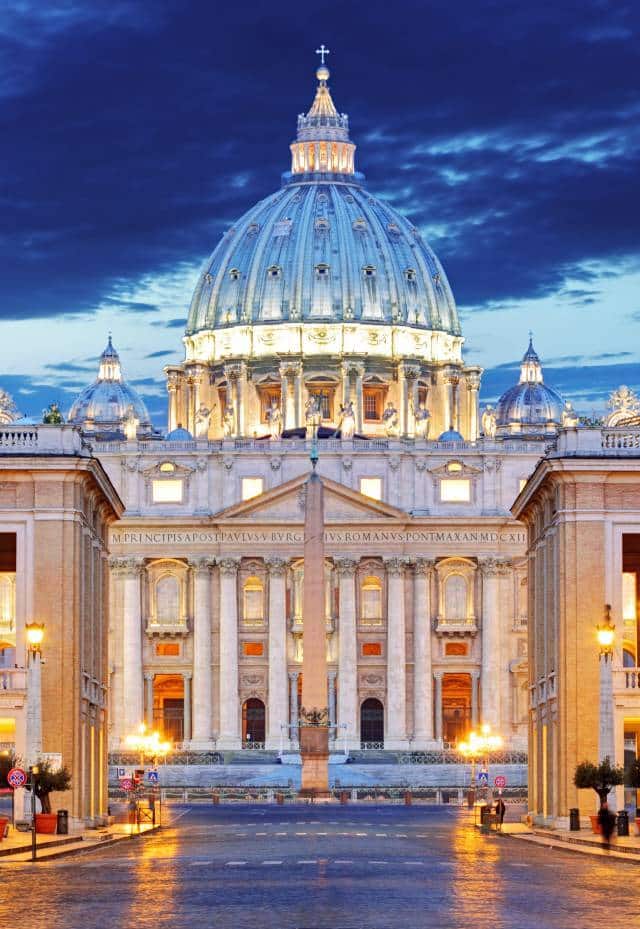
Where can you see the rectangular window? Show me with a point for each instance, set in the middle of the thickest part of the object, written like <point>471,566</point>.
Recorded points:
<point>168,649</point>
<point>371,648</point>
<point>455,490</point>
<point>253,608</point>
<point>253,648</point>
<point>167,491</point>
<point>629,595</point>
<point>252,487</point>
<point>372,403</point>
<point>371,487</point>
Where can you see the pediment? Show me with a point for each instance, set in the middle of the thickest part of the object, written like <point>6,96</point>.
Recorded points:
<point>285,503</point>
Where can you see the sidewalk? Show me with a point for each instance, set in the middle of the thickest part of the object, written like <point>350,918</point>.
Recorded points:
<point>17,847</point>
<point>584,841</point>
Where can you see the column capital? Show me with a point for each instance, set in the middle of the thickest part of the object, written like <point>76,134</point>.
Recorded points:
<point>346,566</point>
<point>475,675</point>
<point>494,567</point>
<point>128,567</point>
<point>424,566</point>
<point>332,675</point>
<point>228,566</point>
<point>187,675</point>
<point>290,368</point>
<point>276,566</point>
<point>410,371</point>
<point>202,564</point>
<point>438,675</point>
<point>395,566</point>
<point>149,675</point>
<point>294,675</point>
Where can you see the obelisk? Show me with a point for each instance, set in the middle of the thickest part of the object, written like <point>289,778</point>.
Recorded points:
<point>314,714</point>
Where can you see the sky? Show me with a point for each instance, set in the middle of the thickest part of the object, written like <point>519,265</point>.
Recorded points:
<point>132,134</point>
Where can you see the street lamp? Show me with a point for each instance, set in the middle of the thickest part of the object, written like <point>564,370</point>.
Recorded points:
<point>605,633</point>
<point>35,635</point>
<point>480,745</point>
<point>148,744</point>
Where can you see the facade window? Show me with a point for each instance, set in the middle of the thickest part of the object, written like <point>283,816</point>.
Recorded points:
<point>7,607</point>
<point>455,598</point>
<point>456,648</point>
<point>168,600</point>
<point>167,491</point>
<point>371,487</point>
<point>371,601</point>
<point>252,487</point>
<point>297,587</point>
<point>372,399</point>
<point>253,601</point>
<point>629,595</point>
<point>455,490</point>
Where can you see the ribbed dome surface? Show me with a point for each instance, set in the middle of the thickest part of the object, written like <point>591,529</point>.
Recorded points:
<point>533,404</point>
<point>323,251</point>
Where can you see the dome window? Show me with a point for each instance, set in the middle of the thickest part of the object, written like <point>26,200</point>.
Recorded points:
<point>322,270</point>
<point>234,274</point>
<point>369,271</point>
<point>410,275</point>
<point>282,228</point>
<point>360,224</point>
<point>394,228</point>
<point>274,271</point>
<point>167,467</point>
<point>322,224</point>
<point>253,230</point>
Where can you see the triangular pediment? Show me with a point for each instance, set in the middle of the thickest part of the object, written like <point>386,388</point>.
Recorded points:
<point>285,503</point>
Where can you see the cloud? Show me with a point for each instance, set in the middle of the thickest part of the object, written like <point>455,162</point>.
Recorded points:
<point>160,354</point>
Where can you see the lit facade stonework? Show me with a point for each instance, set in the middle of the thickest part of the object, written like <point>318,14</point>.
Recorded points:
<point>582,511</point>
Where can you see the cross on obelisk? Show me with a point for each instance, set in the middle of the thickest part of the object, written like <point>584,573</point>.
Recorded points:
<point>322,51</point>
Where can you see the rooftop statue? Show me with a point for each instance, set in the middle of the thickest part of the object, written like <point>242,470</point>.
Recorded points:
<point>52,415</point>
<point>274,418</point>
<point>569,416</point>
<point>347,423</point>
<point>422,418</point>
<point>203,417</point>
<point>625,408</point>
<point>390,420</point>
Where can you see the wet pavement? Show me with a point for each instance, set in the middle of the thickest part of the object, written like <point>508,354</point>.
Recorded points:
<point>321,867</point>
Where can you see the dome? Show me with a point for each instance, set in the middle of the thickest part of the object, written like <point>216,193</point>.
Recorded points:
<point>530,405</point>
<point>179,435</point>
<point>451,435</point>
<point>322,248</point>
<point>110,405</point>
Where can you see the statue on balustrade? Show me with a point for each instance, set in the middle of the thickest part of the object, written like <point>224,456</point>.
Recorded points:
<point>130,424</point>
<point>569,416</point>
<point>489,422</point>
<point>312,413</point>
<point>8,410</point>
<point>422,418</point>
<point>274,419</point>
<point>228,421</point>
<point>52,415</point>
<point>390,420</point>
<point>203,418</point>
<point>347,424</point>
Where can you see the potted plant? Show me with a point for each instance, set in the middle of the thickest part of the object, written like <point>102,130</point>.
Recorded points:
<point>47,781</point>
<point>599,777</point>
<point>633,780</point>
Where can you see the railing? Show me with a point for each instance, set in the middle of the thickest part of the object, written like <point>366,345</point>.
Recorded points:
<point>621,438</point>
<point>372,746</point>
<point>29,440</point>
<point>627,679</point>
<point>13,679</point>
<point>457,625</point>
<point>250,746</point>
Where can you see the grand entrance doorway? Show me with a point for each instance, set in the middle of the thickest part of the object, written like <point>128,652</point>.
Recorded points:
<point>253,722</point>
<point>372,724</point>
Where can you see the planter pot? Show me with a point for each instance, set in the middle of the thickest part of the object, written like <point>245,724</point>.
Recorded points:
<point>595,825</point>
<point>637,825</point>
<point>3,826</point>
<point>46,823</point>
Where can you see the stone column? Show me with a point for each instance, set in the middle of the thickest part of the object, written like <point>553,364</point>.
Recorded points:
<point>229,731</point>
<point>334,733</point>
<point>173,378</point>
<point>473,386</point>
<point>359,404</point>
<point>396,731</point>
<point>186,733</point>
<point>410,382</point>
<point>491,570</point>
<point>422,672</point>
<point>285,400</point>
<point>202,733</point>
<point>148,683</point>
<point>294,709</point>
<point>347,651</point>
<point>402,388</point>
<point>299,398</point>
<point>132,645</point>
<point>277,706</point>
<point>475,681</point>
<point>438,702</point>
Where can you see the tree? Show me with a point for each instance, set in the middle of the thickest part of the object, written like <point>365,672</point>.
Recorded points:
<point>48,781</point>
<point>599,777</point>
<point>632,777</point>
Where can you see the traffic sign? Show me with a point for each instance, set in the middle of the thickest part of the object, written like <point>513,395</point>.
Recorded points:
<point>500,781</point>
<point>16,778</point>
<point>126,783</point>
<point>483,778</point>
<point>152,777</point>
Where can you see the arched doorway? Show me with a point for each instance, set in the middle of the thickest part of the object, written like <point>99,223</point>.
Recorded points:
<point>253,721</point>
<point>372,723</point>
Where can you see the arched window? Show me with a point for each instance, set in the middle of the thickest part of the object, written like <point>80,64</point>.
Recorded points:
<point>372,724</point>
<point>253,599</point>
<point>253,723</point>
<point>455,597</point>
<point>168,600</point>
<point>371,601</point>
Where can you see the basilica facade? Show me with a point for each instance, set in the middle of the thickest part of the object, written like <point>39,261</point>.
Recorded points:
<point>323,315</point>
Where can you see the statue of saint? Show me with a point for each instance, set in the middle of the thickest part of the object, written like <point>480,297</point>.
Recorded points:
<point>422,418</point>
<point>130,424</point>
<point>489,422</point>
<point>569,416</point>
<point>347,420</point>
<point>228,422</point>
<point>390,419</point>
<point>274,418</point>
<point>203,417</point>
<point>311,411</point>
<point>52,415</point>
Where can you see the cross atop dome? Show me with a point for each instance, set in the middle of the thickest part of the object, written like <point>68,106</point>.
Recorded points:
<point>322,51</point>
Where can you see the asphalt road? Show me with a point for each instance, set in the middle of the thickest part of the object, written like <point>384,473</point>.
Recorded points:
<point>318,867</point>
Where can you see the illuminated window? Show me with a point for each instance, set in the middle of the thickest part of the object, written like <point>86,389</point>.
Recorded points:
<point>168,649</point>
<point>629,595</point>
<point>410,274</point>
<point>8,604</point>
<point>167,467</point>
<point>371,487</point>
<point>372,402</point>
<point>371,600</point>
<point>457,490</point>
<point>251,487</point>
<point>369,271</point>
<point>253,648</point>
<point>323,396</point>
<point>522,483</point>
<point>371,648</point>
<point>253,599</point>
<point>454,467</point>
<point>167,491</point>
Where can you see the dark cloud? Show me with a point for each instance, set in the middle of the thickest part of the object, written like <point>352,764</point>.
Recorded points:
<point>177,322</point>
<point>160,354</point>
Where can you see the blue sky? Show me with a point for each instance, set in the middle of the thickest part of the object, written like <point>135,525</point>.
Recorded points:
<point>133,133</point>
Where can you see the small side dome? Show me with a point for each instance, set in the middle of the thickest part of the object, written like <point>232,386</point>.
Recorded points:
<point>530,407</point>
<point>179,435</point>
<point>451,435</point>
<point>110,407</point>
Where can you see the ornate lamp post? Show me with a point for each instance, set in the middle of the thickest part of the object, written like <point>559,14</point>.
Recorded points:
<point>480,745</point>
<point>606,737</point>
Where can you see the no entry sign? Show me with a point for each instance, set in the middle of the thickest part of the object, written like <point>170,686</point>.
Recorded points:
<point>500,781</point>
<point>126,783</point>
<point>16,778</point>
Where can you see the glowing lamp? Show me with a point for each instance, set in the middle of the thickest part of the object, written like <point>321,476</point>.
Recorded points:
<point>35,635</point>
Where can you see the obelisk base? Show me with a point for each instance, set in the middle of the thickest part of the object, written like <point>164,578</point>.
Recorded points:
<point>314,751</point>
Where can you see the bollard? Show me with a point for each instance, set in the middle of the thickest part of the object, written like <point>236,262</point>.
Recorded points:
<point>574,819</point>
<point>623,822</point>
<point>215,798</point>
<point>344,797</point>
<point>407,798</point>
